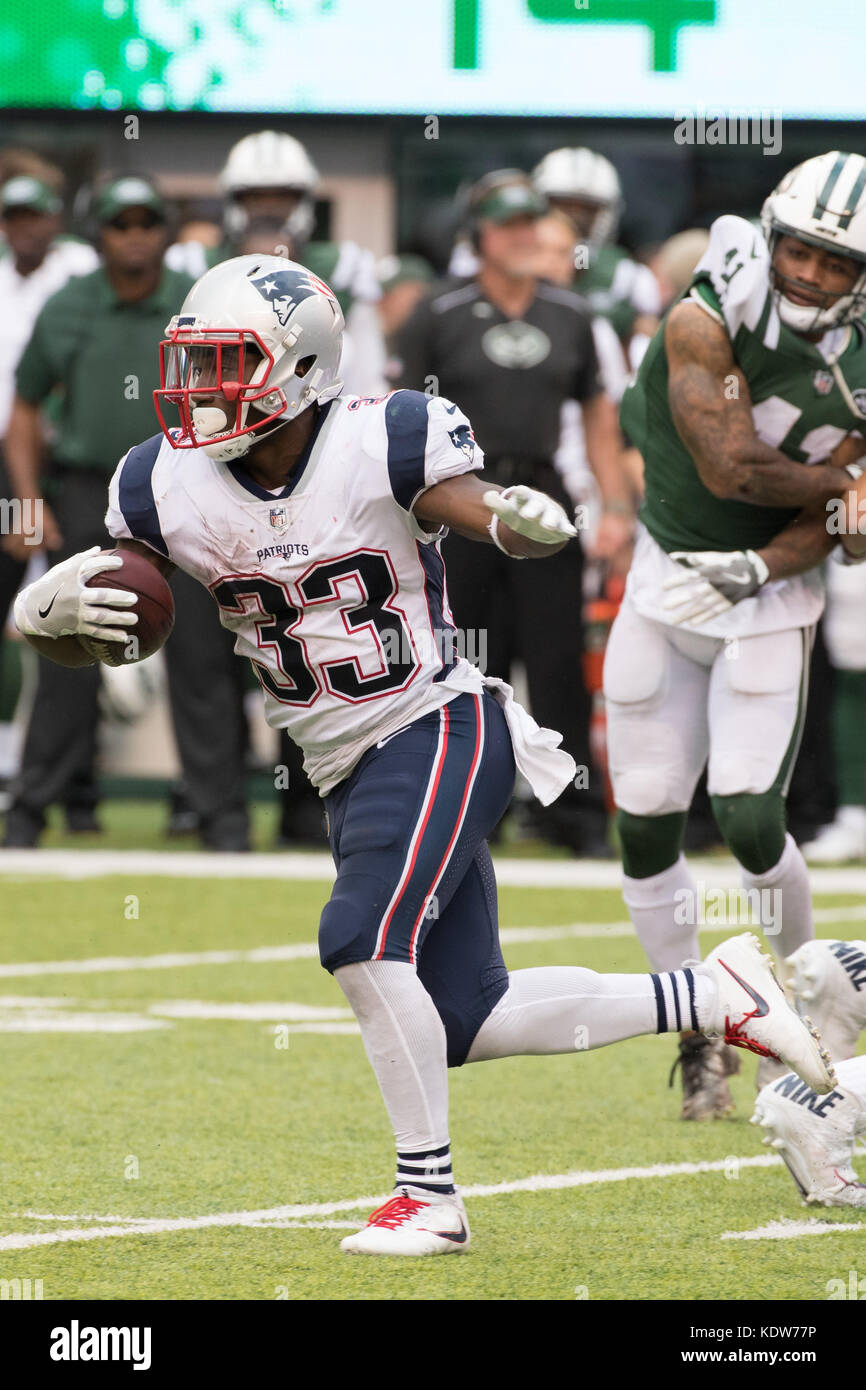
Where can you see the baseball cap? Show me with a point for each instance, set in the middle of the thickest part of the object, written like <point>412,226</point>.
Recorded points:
<point>25,191</point>
<point>511,200</point>
<point>125,193</point>
<point>392,271</point>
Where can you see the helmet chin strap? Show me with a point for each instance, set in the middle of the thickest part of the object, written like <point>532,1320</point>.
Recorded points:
<point>813,318</point>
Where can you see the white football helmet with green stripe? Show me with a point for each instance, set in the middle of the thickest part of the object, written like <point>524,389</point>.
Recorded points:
<point>822,202</point>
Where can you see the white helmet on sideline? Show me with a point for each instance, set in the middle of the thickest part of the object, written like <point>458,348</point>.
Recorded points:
<point>822,202</point>
<point>584,176</point>
<point>270,160</point>
<point>244,329</point>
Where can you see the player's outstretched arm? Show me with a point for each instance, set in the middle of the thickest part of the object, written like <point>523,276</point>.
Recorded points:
<point>712,410</point>
<point>522,522</point>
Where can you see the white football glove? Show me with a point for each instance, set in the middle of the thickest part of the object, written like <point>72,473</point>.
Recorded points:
<point>59,604</point>
<point>712,582</point>
<point>530,513</point>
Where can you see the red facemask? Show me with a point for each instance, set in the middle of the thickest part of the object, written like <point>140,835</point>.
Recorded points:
<point>207,368</point>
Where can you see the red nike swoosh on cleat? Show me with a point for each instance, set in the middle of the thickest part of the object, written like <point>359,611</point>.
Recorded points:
<point>763,1006</point>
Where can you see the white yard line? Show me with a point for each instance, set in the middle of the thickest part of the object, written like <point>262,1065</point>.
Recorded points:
<point>77,1216</point>
<point>793,1230</point>
<point>308,950</point>
<point>285,1012</point>
<point>22,1013</point>
<point>539,1182</point>
<point>99,863</point>
<point>168,961</point>
<point>514,873</point>
<point>34,1021</point>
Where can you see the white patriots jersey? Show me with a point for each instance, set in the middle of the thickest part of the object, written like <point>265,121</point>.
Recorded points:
<point>332,588</point>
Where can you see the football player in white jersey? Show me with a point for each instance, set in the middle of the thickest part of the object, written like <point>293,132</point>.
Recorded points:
<point>314,519</point>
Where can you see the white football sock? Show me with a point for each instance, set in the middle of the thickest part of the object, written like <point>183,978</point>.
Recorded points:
<point>404,1038</point>
<point>785,901</point>
<point>565,1008</point>
<point>664,909</point>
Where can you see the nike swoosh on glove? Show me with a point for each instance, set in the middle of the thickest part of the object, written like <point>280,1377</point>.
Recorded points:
<point>60,605</point>
<point>712,582</point>
<point>532,514</point>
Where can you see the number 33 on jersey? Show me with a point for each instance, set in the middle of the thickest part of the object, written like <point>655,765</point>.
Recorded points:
<point>333,589</point>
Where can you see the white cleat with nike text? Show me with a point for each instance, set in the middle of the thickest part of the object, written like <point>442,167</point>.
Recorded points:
<point>751,1011</point>
<point>828,979</point>
<point>816,1137</point>
<point>413,1222</point>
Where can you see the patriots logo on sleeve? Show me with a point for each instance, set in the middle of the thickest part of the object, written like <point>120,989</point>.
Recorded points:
<point>285,289</point>
<point>463,439</point>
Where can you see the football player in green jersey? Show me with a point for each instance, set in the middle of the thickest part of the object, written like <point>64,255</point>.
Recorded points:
<point>749,410</point>
<point>585,186</point>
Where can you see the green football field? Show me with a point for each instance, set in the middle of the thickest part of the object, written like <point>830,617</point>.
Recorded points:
<point>189,1114</point>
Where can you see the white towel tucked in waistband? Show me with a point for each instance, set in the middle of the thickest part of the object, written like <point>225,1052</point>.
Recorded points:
<point>547,768</point>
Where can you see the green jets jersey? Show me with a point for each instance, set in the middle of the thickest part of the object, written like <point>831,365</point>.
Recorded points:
<point>797,405</point>
<point>617,288</point>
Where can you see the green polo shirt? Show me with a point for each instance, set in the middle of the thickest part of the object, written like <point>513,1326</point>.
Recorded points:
<point>104,355</point>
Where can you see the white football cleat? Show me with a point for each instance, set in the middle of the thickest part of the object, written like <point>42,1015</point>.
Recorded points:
<point>828,980</point>
<point>751,1011</point>
<point>815,1136</point>
<point>843,841</point>
<point>413,1222</point>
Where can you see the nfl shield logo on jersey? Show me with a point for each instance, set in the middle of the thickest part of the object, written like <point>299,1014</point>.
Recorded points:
<point>860,400</point>
<point>823,383</point>
<point>278,517</point>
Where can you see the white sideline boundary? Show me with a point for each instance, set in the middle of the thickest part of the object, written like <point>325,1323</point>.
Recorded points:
<point>293,1216</point>
<point>512,873</point>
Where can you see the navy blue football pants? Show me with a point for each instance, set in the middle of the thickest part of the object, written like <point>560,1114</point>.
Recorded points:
<point>415,883</point>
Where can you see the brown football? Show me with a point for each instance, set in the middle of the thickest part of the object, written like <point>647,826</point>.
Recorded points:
<point>155,609</point>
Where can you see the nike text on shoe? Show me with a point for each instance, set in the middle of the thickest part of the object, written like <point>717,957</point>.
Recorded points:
<point>815,1135</point>
<point>413,1222</point>
<point>828,981</point>
<point>751,1011</point>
